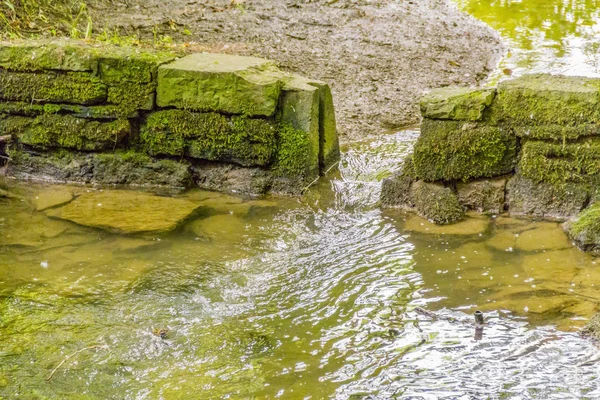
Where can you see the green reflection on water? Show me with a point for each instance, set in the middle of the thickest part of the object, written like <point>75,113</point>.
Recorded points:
<point>558,36</point>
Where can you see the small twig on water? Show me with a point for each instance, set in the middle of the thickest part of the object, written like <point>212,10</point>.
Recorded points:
<point>70,356</point>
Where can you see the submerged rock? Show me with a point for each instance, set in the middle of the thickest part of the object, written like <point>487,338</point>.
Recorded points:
<point>584,229</point>
<point>436,203</point>
<point>470,226</point>
<point>52,197</point>
<point>126,211</point>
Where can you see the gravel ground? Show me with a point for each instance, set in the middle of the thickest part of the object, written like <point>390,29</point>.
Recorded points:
<point>379,56</point>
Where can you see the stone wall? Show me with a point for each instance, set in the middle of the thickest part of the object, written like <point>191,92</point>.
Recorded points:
<point>100,114</point>
<point>531,147</point>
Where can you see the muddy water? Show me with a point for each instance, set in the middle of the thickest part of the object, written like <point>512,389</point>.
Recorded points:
<point>324,297</point>
<point>558,36</point>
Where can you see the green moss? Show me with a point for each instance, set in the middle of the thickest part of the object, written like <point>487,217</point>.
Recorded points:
<point>544,99</point>
<point>395,191</point>
<point>132,96</point>
<point>47,55</point>
<point>584,230</point>
<point>72,87</point>
<point>452,150</point>
<point>556,163</point>
<point>50,131</point>
<point>28,109</point>
<point>456,103</point>
<point>131,65</point>
<point>436,203</point>
<point>210,136</point>
<point>293,155</point>
<point>557,132</point>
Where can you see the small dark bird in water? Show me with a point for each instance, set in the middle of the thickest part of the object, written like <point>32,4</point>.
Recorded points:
<point>160,332</point>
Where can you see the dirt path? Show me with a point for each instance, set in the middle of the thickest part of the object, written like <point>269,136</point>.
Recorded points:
<point>379,55</point>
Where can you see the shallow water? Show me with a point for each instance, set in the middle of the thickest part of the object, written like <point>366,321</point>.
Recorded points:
<point>321,297</point>
<point>557,36</point>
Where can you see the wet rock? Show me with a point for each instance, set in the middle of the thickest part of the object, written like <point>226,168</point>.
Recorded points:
<point>233,179</point>
<point>584,229</point>
<point>503,240</point>
<point>52,197</point>
<point>533,100</point>
<point>469,226</point>
<point>528,198</point>
<point>395,191</point>
<point>484,195</point>
<point>223,227</point>
<point>456,103</point>
<point>126,211</point>
<point>245,85</point>
<point>436,203</point>
<point>459,151</point>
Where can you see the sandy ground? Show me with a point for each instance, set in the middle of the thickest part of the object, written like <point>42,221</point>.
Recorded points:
<point>379,56</point>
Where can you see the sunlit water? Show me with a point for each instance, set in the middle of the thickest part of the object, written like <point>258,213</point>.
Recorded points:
<point>558,36</point>
<point>314,298</point>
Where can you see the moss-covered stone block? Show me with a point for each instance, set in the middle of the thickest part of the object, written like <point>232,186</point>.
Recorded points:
<point>545,99</point>
<point>65,131</point>
<point>436,203</point>
<point>527,197</point>
<point>456,103</point>
<point>395,190</point>
<point>132,96</point>
<point>61,55</point>
<point>125,64</point>
<point>557,132</point>
<point>584,229</point>
<point>453,150</point>
<point>96,112</point>
<point>220,83</point>
<point>210,136</point>
<point>483,195</point>
<point>557,163</point>
<point>50,87</point>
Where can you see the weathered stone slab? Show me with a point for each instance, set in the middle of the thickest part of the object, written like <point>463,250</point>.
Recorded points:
<point>132,96</point>
<point>119,168</point>
<point>529,198</point>
<point>395,191</point>
<point>210,136</point>
<point>453,150</point>
<point>456,103</point>
<point>584,229</point>
<point>220,83</point>
<point>436,203</point>
<point>119,65</point>
<point>545,99</point>
<point>72,87</point>
<point>65,131</point>
<point>126,211</point>
<point>96,112</point>
<point>557,132</point>
<point>483,195</point>
<point>557,163</point>
<point>232,178</point>
<point>51,197</point>
<point>42,56</point>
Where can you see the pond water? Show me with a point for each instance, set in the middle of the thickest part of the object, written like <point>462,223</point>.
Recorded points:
<point>558,36</point>
<point>326,296</point>
<point>322,297</point>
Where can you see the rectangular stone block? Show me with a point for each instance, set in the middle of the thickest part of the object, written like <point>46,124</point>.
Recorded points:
<point>557,132</point>
<point>132,96</point>
<point>220,83</point>
<point>61,55</point>
<point>459,151</point>
<point>71,87</point>
<point>557,163</point>
<point>210,136</point>
<point>97,112</point>
<point>65,131</point>
<point>456,103</point>
<point>545,99</point>
<point>482,195</point>
<point>121,65</point>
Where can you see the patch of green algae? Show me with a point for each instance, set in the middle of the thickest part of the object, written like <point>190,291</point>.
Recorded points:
<point>584,229</point>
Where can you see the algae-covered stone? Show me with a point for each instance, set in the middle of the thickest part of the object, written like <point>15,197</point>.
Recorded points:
<point>66,131</point>
<point>125,168</point>
<point>132,96</point>
<point>210,136</point>
<point>126,211</point>
<point>557,163</point>
<point>436,203</point>
<point>456,103</point>
<point>51,197</point>
<point>469,226</point>
<point>61,55</point>
<point>119,65</point>
<point>72,87</point>
<point>584,229</point>
<point>453,150</point>
<point>96,112</point>
<point>545,99</point>
<point>556,132</point>
<point>483,195</point>
<point>395,191</point>
<point>233,179</point>
<point>541,199</point>
<point>221,83</point>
